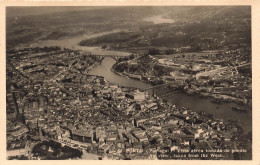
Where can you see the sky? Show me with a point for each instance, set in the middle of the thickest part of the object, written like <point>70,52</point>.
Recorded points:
<point>35,10</point>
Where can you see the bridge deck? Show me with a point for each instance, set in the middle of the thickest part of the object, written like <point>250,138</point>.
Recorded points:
<point>160,85</point>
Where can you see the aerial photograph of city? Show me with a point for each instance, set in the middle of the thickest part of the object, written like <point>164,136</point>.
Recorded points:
<point>128,83</point>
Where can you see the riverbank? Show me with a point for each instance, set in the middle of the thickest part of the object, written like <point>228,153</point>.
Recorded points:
<point>96,63</point>
<point>194,102</point>
<point>217,97</point>
<point>204,102</point>
<point>105,70</point>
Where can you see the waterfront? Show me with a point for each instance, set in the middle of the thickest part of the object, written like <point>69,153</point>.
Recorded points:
<point>221,111</point>
<point>195,103</point>
<point>129,83</point>
<point>73,43</point>
<point>104,69</point>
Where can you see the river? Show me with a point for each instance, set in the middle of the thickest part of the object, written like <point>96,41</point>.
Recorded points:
<point>73,43</point>
<point>221,111</point>
<point>195,103</point>
<point>104,69</point>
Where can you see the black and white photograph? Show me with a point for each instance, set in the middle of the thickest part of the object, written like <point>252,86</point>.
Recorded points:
<point>128,82</point>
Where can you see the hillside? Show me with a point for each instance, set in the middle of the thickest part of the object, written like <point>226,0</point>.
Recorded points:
<point>22,29</point>
<point>194,28</point>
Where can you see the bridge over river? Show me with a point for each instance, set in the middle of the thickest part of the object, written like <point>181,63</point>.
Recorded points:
<point>115,57</point>
<point>163,89</point>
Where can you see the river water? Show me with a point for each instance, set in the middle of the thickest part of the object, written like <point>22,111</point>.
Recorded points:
<point>195,103</point>
<point>220,111</point>
<point>104,69</point>
<point>73,43</point>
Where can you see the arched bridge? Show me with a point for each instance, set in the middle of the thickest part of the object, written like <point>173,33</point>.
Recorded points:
<point>116,57</point>
<point>164,88</point>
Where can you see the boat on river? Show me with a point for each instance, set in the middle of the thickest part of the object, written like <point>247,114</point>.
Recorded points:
<point>238,109</point>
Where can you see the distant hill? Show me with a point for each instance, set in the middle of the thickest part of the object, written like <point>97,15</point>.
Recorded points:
<point>203,12</point>
<point>194,26</point>
<point>30,24</point>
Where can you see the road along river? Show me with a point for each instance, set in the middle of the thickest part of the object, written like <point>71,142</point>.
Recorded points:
<point>195,103</point>
<point>104,69</point>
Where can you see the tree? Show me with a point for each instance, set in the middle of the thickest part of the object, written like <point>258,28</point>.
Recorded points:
<point>154,51</point>
<point>132,68</point>
<point>121,67</point>
<point>104,47</point>
<point>170,51</point>
<point>159,71</point>
<point>131,56</point>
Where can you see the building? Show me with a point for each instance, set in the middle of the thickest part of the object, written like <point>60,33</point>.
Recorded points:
<point>83,135</point>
